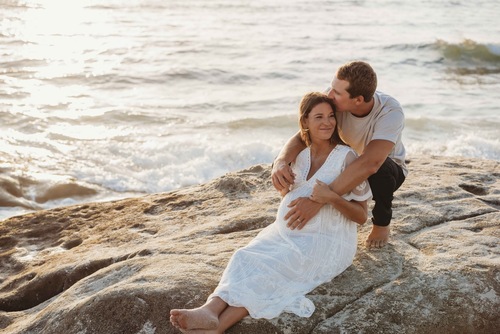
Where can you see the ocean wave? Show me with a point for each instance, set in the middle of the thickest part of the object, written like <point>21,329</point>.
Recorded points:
<point>31,193</point>
<point>468,145</point>
<point>20,65</point>
<point>112,81</point>
<point>469,50</point>
<point>465,51</point>
<point>213,75</point>
<point>13,95</point>
<point>119,80</point>
<point>6,4</point>
<point>259,123</point>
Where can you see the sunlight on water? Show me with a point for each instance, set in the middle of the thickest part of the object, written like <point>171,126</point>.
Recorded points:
<point>58,18</point>
<point>133,97</point>
<point>85,132</point>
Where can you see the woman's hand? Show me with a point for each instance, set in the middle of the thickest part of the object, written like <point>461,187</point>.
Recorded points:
<point>322,193</point>
<point>301,211</point>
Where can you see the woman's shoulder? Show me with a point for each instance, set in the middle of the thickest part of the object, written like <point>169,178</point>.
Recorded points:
<point>344,149</point>
<point>303,154</point>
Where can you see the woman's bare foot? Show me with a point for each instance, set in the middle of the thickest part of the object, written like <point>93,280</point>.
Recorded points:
<point>379,237</point>
<point>203,331</point>
<point>198,318</point>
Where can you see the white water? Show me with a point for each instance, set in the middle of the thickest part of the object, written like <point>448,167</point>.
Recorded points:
<point>109,99</point>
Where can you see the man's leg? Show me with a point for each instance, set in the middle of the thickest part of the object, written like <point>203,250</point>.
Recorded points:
<point>384,183</point>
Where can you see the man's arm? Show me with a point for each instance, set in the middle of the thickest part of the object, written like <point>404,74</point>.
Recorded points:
<point>303,209</point>
<point>356,211</point>
<point>282,175</point>
<point>363,167</point>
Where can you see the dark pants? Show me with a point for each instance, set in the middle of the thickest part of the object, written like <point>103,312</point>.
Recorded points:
<point>384,183</point>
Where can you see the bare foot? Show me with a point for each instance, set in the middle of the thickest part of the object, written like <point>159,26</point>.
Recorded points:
<point>203,331</point>
<point>379,237</point>
<point>173,321</point>
<point>198,318</point>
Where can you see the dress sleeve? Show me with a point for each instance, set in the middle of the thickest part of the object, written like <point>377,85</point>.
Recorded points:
<point>362,192</point>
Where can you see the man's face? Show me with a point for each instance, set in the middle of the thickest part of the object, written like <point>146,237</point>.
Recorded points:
<point>340,96</point>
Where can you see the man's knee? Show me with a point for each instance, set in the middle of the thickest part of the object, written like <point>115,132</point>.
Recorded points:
<point>384,183</point>
<point>388,177</point>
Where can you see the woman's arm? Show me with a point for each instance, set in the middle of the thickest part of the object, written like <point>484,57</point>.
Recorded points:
<point>353,210</point>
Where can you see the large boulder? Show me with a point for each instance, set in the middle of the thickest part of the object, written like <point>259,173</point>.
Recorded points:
<point>119,267</point>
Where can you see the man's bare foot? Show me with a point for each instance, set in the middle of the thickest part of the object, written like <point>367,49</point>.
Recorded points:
<point>198,318</point>
<point>379,237</point>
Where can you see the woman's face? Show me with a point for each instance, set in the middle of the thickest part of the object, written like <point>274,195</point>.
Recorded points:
<point>321,122</point>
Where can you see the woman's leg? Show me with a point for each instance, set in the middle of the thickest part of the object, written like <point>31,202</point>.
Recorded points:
<point>204,317</point>
<point>230,316</point>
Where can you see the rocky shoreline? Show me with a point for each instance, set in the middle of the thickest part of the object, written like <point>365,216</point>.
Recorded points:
<point>119,267</point>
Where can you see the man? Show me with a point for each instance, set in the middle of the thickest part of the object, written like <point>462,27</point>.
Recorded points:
<point>371,123</point>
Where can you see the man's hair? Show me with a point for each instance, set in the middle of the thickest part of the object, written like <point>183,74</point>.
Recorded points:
<point>308,102</point>
<point>361,77</point>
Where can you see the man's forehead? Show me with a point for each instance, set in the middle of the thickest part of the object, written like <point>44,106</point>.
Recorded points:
<point>333,79</point>
<point>338,84</point>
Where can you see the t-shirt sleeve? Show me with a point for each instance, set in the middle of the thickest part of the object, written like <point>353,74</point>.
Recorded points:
<point>389,125</point>
<point>362,192</point>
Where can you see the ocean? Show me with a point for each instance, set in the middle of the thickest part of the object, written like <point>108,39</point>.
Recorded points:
<point>101,100</point>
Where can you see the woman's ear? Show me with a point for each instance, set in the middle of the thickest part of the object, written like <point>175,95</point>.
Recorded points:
<point>305,123</point>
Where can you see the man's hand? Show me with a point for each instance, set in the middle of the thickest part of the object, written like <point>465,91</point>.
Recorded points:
<point>301,211</point>
<point>282,176</point>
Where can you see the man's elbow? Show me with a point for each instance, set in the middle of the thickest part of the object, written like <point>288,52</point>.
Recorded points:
<point>373,166</point>
<point>371,169</point>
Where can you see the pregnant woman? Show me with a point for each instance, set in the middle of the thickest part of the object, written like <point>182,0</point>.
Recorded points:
<point>275,271</point>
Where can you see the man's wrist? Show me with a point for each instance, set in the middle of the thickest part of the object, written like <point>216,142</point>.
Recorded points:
<point>278,162</point>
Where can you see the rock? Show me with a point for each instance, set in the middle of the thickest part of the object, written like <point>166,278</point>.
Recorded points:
<point>119,267</point>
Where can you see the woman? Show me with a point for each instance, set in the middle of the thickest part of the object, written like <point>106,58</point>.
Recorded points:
<point>274,272</point>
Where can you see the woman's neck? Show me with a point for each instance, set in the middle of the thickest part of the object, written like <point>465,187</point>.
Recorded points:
<point>319,153</point>
<point>322,148</point>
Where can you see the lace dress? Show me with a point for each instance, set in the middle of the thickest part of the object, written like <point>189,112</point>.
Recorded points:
<point>274,272</point>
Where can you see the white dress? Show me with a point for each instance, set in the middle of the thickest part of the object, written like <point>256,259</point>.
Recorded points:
<point>274,272</point>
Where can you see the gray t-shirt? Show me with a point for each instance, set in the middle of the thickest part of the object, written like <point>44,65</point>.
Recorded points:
<point>385,121</point>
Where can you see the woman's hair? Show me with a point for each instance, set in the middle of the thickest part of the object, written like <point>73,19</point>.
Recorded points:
<point>308,102</point>
<point>361,77</point>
